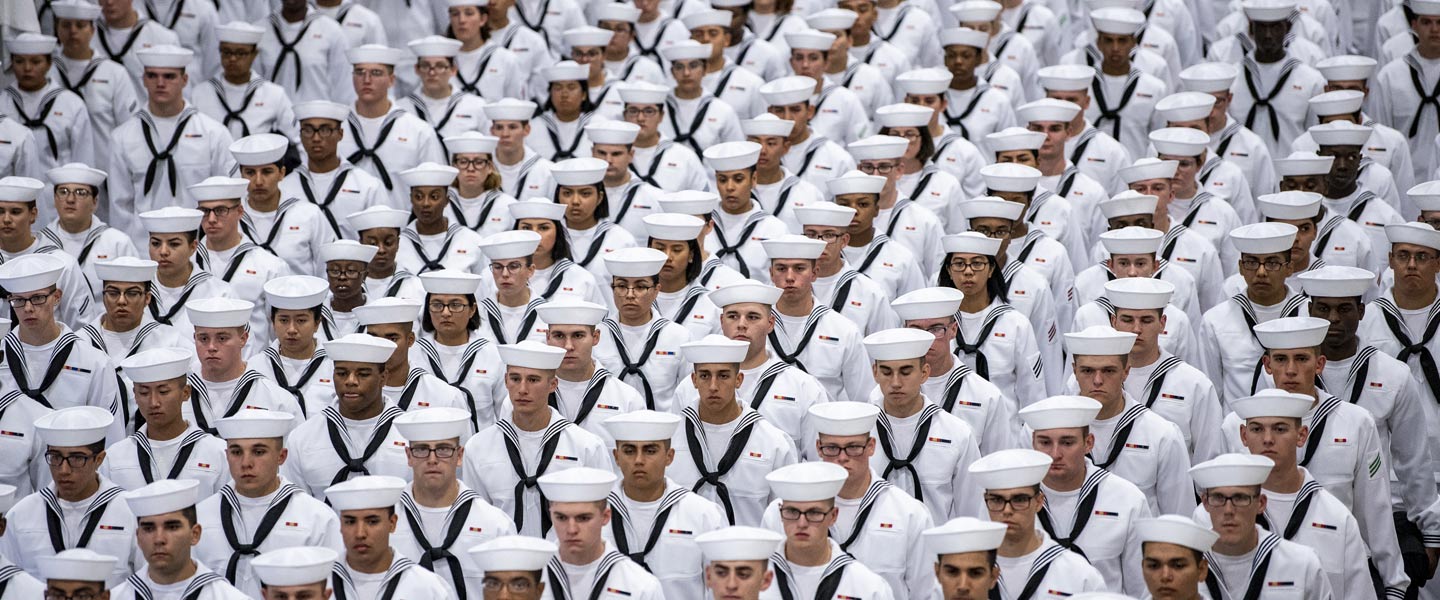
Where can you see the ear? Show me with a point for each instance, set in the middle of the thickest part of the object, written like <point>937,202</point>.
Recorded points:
<point>195,531</point>
<point>1265,360</point>
<point>1089,443</point>
<point>1304,437</point>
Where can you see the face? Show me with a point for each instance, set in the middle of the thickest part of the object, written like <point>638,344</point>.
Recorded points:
<point>74,33</point>
<point>1001,229</point>
<point>171,251</point>
<point>512,274</point>
<point>867,207</point>
<point>294,329</point>
<point>835,238</point>
<point>1233,522</point>
<point>1300,252</point>
<point>474,168</point>
<point>1132,265</point>
<point>434,71</point>
<point>1172,572</point>
<point>677,257</point>
<point>1146,221</point>
<point>617,158</point>
<point>747,321</point>
<point>372,81</point>
<point>1067,448</point>
<point>801,529</point>
<point>1344,315</point>
<point>578,525</point>
<point>567,95</point>
<point>966,576</point>
<point>1056,134</point>
<point>1022,157</point>
<point>772,149</point>
<point>30,70</point>
<point>962,60</point>
<point>840,446</point>
<point>1346,168</point>
<point>220,347</point>
<point>164,86</point>
<point>580,202</point>
<point>450,313</point>
<point>236,59</point>
<point>1294,370</point>
<point>33,315</point>
<point>577,340</point>
<point>1185,170</point>
<point>510,133</point>
<point>76,589</point>
<point>794,276</point>
<point>427,203</point>
<point>1146,324</point>
<point>1115,48</point>
<point>346,277</point>
<point>1079,98</point>
<point>160,401</point>
<point>944,331</point>
<point>1415,266</point>
<point>1427,30</point>
<point>70,479</point>
<point>716,383</point>
<point>634,296</point>
<point>889,169</point>
<point>800,113</point>
<point>717,37</point>
<point>547,231</point>
<point>1101,377</point>
<point>124,303</point>
<point>367,532</point>
<point>1260,280</point>
<point>643,463</point>
<point>1160,188</point>
<point>646,116</point>
<point>264,180</point>
<point>359,384</point>
<point>466,21</point>
<point>969,271</point>
<point>166,540</point>
<point>434,471</point>
<point>865,13</point>
<point>320,137</point>
<point>620,37</point>
<point>1269,34</point>
<point>900,380</point>
<point>221,217</point>
<point>737,579</point>
<point>16,219</point>
<point>809,63</point>
<point>734,189</point>
<point>401,334</point>
<point>1303,183</point>
<point>512,585</point>
<point>529,389</point>
<point>1019,518</point>
<point>387,241</point>
<point>1274,438</point>
<point>254,463</point>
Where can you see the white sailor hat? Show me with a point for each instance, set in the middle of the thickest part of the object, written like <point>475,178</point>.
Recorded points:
<point>30,273</point>
<point>219,312</point>
<point>378,217</point>
<point>1349,67</point>
<point>1211,77</point>
<point>126,268</point>
<point>7,498</point>
<point>31,43</point>
<point>163,496</point>
<point>157,364</point>
<point>537,208</point>
<point>713,17</point>
<point>254,423</point>
<point>964,36</point>
<point>1289,205</point>
<point>429,174</point>
<point>901,343</point>
<point>673,227</point>
<point>1148,168</point>
<point>321,109</point>
<point>1139,293</point>
<point>767,125</point>
<point>1231,470</point>
<point>1010,177</point>
<point>970,242</point>
<point>239,32</point>
<point>976,11</point>
<point>843,417</point>
<point>928,303</point>
<point>471,142</point>
<point>450,281</point>
<point>434,424</point>
<point>1288,333</point>
<point>1117,21</point>
<point>296,292</point>
<point>616,11</point>
<point>384,311</point>
<point>1426,196</point>
<point>1060,412</point>
<point>1014,138</point>
<point>434,45</point>
<point>1302,163</point>
<point>1066,78</point>
<point>512,109</point>
<point>904,115</point>
<point>1099,340</point>
<point>361,348</point>
<point>641,92</point>
<point>513,552</point>
<point>962,535</point>
<point>165,56</point>
<point>792,247</point>
<point>809,39</point>
<point>824,214</point>
<point>1338,102</point>
<point>830,19</point>
<point>580,484</point>
<point>76,564</point>
<point>745,291</point>
<point>579,171</point>
<point>1429,8</point>
<point>74,426</point>
<point>379,54</point>
<point>365,492</point>
<point>1268,10</point>
<point>530,354</point>
<point>1127,203</point>
<point>1010,469</point>
<point>220,187</point>
<point>929,82</point>
<point>1340,133</point>
<point>686,50</point>
<point>715,348</point>
<point>567,309</point>
<point>788,90</point>
<point>1420,234</point>
<point>1047,110</point>
<point>1335,281</point>
<point>642,426</point>
<point>1272,402</point>
<point>1131,240</point>
<point>689,202</point>
<point>1263,238</point>
<point>612,132</point>
<point>732,156</point>
<point>76,173</point>
<point>1178,530</point>
<point>878,147</point>
<point>635,262</point>
<point>566,70</point>
<point>806,481</point>
<point>295,565</point>
<point>738,543</point>
<point>76,9</point>
<point>347,250</point>
<point>1179,141</point>
<point>587,36</point>
<point>1185,106</point>
<point>855,182</point>
<point>991,207</point>
<point>20,189</point>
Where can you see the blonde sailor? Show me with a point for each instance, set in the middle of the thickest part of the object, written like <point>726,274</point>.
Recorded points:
<point>226,382</point>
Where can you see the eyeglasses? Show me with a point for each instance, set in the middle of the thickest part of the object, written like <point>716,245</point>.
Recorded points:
<point>631,289</point>
<point>37,300</point>
<point>873,168</point>
<point>996,233</point>
<point>1018,502</point>
<point>512,268</point>
<point>826,237</point>
<point>1404,256</point>
<point>454,306</point>
<point>82,595</point>
<point>76,460</point>
<point>220,212</point>
<point>813,515</point>
<point>81,193</point>
<point>131,295</point>
<point>635,111</point>
<point>350,273</point>
<point>466,164</point>
<point>323,130</point>
<point>1219,500</point>
<point>834,450</point>
<point>432,67</point>
<point>1272,265</point>
<point>235,53</point>
<point>516,586</point>
<point>371,73</point>
<point>976,265</point>
<point>440,451</point>
<point>935,330</point>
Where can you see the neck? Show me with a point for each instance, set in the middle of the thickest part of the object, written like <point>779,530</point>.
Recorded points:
<point>499,19</point>
<point>223,374</point>
<point>515,296</point>
<point>168,109</point>
<point>237,78</point>
<point>323,165</point>
<point>78,52</point>
<point>375,271</point>
<point>458,337</point>
<point>1269,55</point>
<point>649,492</point>
<point>771,175</point>
<point>688,91</point>
<point>829,267</point>
<point>1111,407</point>
<point>1068,482</point>
<point>269,488</point>
<point>798,304</point>
<point>1270,299</point>
<point>224,240</point>
<point>432,226</point>
<point>510,155</point>
<point>1428,52</point>
<point>376,563</point>
<point>129,19</point>
<point>724,412</point>
<point>855,485</point>
<point>1346,348</point>
<point>18,243</point>
<point>812,554</point>
<point>365,409</point>
<point>638,320</point>
<point>974,303</point>
<point>581,372</point>
<point>185,572</point>
<point>1284,480</point>
<point>862,238</point>
<point>859,37</point>
<point>338,304</point>
<point>398,374</point>
<point>41,334</point>
<point>584,556</point>
<point>942,363</point>
<point>1115,69</point>
<point>1146,355</point>
<point>901,409</point>
<point>162,432</point>
<point>531,420</point>
<point>1412,298</point>
<point>1052,165</point>
<point>266,201</point>
<point>294,14</point>
<point>107,323</point>
<point>756,356</point>
<point>305,352</point>
<point>372,109</point>
<point>1247,542</point>
<point>1019,544</point>
<point>436,497</point>
<point>439,92</point>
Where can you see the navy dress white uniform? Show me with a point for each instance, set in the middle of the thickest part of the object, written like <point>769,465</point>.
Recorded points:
<point>57,116</point>
<point>473,368</point>
<point>843,574</point>
<point>530,176</point>
<point>489,212</point>
<point>1139,242</point>
<point>306,57</point>
<point>612,574</point>
<point>300,565</point>
<point>886,261</point>
<point>341,191</point>
<point>603,236</point>
<point>192,454</point>
<point>295,517</point>
<point>462,110</point>
<point>393,142</point>
<point>110,94</point>
<point>42,524</point>
<point>22,453</point>
<point>97,242</point>
<point>984,108</point>
<point>781,392</point>
<point>455,248</point>
<point>735,236</point>
<point>296,229</point>
<point>124,45</point>
<point>1005,349</point>
<point>169,496</point>
<point>16,583</point>
<point>306,378</point>
<point>213,400</point>
<point>963,535</point>
<point>1338,240</point>
<point>422,389</point>
<point>1400,99</point>
<point>402,578</point>
<point>658,367</point>
<point>256,105</point>
<point>499,322</point>
<point>826,345</point>
<point>589,402</point>
<point>78,564</point>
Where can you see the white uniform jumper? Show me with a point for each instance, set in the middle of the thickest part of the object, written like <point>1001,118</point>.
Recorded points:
<point>437,538</point>
<point>727,463</point>
<point>203,585</point>
<point>403,579</point>
<point>284,518</point>
<point>137,461</point>
<point>1050,567</point>
<point>657,369</point>
<point>842,577</point>
<point>827,345</point>
<point>307,58</point>
<point>42,524</point>
<point>1275,569</point>
<point>385,146</point>
<point>1097,521</point>
<point>999,344</point>
<point>1148,451</point>
<point>328,449</point>
<point>254,107</point>
<point>154,161</point>
<point>294,231</point>
<point>928,455</point>
<point>338,193</point>
<point>109,93</point>
<point>1227,334</point>
<point>473,370</point>
<point>660,535</point>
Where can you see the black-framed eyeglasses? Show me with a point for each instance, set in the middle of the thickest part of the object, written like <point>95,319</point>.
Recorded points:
<point>623,289</point>
<point>76,460</point>
<point>1219,500</point>
<point>323,130</point>
<point>1404,256</point>
<point>976,265</point>
<point>518,586</point>
<point>81,193</point>
<point>220,212</point>
<point>432,66</point>
<point>813,515</point>
<point>130,294</point>
<point>996,233</point>
<point>1018,502</point>
<point>935,330</point>
<point>37,300</point>
<point>352,272</point>
<point>235,53</point>
<point>371,73</point>
<point>440,451</point>
<point>454,306</point>
<point>465,164</point>
<point>873,168</point>
<point>1272,265</point>
<point>827,237</point>
<point>834,450</point>
<point>648,111</point>
<point>513,267</point>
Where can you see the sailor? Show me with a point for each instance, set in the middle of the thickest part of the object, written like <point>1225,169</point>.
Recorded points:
<point>1079,494</point>
<point>478,201</point>
<point>1386,147</point>
<point>58,117</point>
<point>1129,80</point>
<point>226,383</point>
<point>722,79</point>
<point>487,70</point>
<point>952,152</point>
<point>693,117</point>
<point>289,228</point>
<point>965,553</point>
<point>355,435</point>
<point>586,393</point>
<point>1131,441</point>
<point>1005,350</point>
<point>345,272</point>
<point>1362,191</point>
<point>1006,48</point>
<point>1248,561</point>
<point>591,233</point>
<point>1051,119</point>
<point>811,564</point>
<point>122,34</point>
<point>173,242</point>
<point>167,529</point>
<point>657,160</point>
<point>1230,140</point>
<point>653,520</point>
<point>166,146</point>
<point>451,349</point>
<point>15,583</point>
<point>739,220</point>
<point>710,272</point>
<point>448,110</point>
<point>629,200</point>
<point>1133,253</point>
<point>166,445</point>
<point>973,106</point>
<point>659,368</point>
<point>258,505</point>
<point>812,156</point>
<point>779,190</point>
<point>621,59</point>
<point>76,229</point>
<point>304,52</point>
<point>1013,496</point>
<point>888,262</point>
<point>555,271</point>
<point>524,173</point>
<point>1189,147</point>
<point>1404,90</point>
<point>1196,226</point>
<point>510,313</point>
<point>299,322</point>
<point>512,565</point>
<point>681,297</point>
<point>839,113</point>
<point>1045,260</point>
<point>536,438</point>
<point>1093,152</point>
<point>327,179</point>
<point>381,227</point>
<point>1328,238</point>
<point>79,509</point>
<point>834,283</point>
<point>18,197</point>
<point>1174,550</point>
<point>557,128</point>
<point>586,561</point>
<point>833,62</point>
<point>239,98</point>
<point>433,241</point>
<point>394,319</point>
<point>1277,76</point>
<point>902,218</point>
<point>381,137</point>
<point>105,85</point>
<point>726,447</point>
<point>372,569</point>
<point>294,572</point>
<point>737,561</point>
<point>77,572</point>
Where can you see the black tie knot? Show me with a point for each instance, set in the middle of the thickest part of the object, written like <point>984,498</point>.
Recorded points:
<point>967,348</point>
<point>247,550</point>
<point>356,465</point>
<point>436,554</point>
<point>165,155</point>
<point>897,464</point>
<point>530,481</point>
<point>711,478</point>
<point>33,123</point>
